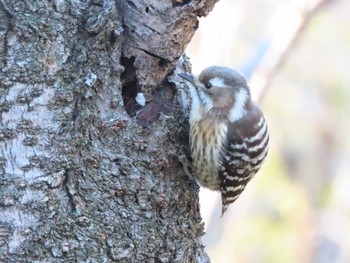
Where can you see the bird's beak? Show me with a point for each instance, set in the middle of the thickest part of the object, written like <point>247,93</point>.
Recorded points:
<point>187,77</point>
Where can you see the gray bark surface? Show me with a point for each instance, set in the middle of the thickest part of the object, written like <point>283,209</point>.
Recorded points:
<point>86,173</point>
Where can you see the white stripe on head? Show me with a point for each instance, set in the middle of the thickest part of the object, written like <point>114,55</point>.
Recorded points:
<point>238,110</point>
<point>217,82</point>
<point>199,99</point>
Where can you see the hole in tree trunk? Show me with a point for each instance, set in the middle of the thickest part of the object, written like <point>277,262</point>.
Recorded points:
<point>130,86</point>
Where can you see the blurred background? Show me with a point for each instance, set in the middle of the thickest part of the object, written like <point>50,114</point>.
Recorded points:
<point>296,55</point>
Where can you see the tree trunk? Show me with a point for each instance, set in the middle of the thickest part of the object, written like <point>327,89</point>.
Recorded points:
<point>88,172</point>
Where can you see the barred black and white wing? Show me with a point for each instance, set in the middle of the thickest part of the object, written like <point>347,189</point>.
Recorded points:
<point>245,149</point>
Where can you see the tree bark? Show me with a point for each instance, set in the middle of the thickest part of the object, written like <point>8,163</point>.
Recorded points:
<point>88,172</point>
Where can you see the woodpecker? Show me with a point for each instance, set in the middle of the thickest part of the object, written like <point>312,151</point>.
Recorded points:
<point>228,132</point>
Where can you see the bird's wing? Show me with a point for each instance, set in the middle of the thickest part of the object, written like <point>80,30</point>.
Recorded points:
<point>243,153</point>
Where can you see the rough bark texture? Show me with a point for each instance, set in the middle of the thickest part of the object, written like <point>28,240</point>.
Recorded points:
<point>82,179</point>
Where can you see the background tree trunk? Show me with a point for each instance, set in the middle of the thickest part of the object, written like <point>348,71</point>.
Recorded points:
<point>88,173</point>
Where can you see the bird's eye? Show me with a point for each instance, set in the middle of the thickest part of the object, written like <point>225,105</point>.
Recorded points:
<point>208,85</point>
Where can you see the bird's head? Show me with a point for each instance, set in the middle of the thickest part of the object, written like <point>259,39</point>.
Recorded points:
<point>220,87</point>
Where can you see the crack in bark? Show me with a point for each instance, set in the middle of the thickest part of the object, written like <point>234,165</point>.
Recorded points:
<point>77,107</point>
<point>6,8</point>
<point>132,5</point>
<point>176,3</point>
<point>66,185</point>
<point>163,61</point>
<point>5,19</point>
